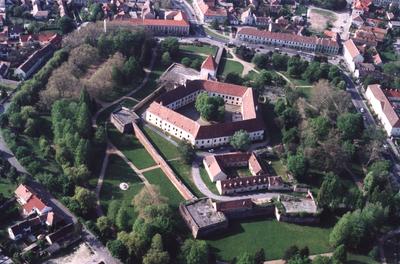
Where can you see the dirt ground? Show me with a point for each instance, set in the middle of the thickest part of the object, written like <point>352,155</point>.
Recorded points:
<point>81,254</point>
<point>319,18</point>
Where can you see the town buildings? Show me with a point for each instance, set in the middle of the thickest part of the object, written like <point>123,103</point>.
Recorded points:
<point>386,105</point>
<point>309,44</point>
<point>352,55</point>
<point>208,11</point>
<point>176,25</point>
<point>163,113</point>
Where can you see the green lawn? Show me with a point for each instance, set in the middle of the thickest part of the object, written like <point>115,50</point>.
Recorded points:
<point>305,91</point>
<point>279,168</point>
<point>7,188</point>
<point>118,171</point>
<point>205,49</point>
<point>296,82</point>
<point>166,148</point>
<point>128,103</point>
<point>206,179</point>
<point>157,177</point>
<point>228,66</point>
<point>131,147</point>
<point>214,34</point>
<point>184,172</point>
<point>360,259</point>
<point>273,236</point>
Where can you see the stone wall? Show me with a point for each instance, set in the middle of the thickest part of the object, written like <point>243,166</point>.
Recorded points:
<point>182,189</point>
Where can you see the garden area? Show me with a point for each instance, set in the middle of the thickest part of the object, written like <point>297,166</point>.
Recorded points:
<point>119,172</point>
<point>274,237</point>
<point>131,147</point>
<point>230,66</point>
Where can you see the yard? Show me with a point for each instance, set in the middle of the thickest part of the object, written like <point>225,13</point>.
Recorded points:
<point>118,171</point>
<point>275,237</point>
<point>204,49</point>
<point>228,65</point>
<point>7,188</point>
<point>131,147</point>
<point>157,177</point>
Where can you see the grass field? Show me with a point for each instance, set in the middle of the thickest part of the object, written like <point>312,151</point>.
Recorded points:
<point>214,34</point>
<point>7,188</point>
<point>128,103</point>
<point>118,171</point>
<point>305,91</point>
<point>184,172</point>
<point>206,179</point>
<point>131,147</point>
<point>295,82</point>
<point>275,237</point>
<point>166,148</point>
<point>228,66</point>
<point>204,49</point>
<point>279,168</point>
<point>157,177</point>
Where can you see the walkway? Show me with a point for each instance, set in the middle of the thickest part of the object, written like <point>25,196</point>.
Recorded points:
<point>281,261</point>
<point>247,66</point>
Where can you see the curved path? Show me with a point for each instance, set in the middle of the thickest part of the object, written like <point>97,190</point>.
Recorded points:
<point>198,181</point>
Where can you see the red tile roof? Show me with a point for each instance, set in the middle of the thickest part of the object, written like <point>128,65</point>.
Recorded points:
<point>209,64</point>
<point>351,48</point>
<point>286,37</point>
<point>23,193</point>
<point>34,203</point>
<point>387,107</point>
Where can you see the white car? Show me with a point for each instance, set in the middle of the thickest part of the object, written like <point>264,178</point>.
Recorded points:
<point>362,110</point>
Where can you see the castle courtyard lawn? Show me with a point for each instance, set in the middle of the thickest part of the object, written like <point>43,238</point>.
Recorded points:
<point>117,172</point>
<point>275,237</point>
<point>204,49</point>
<point>131,147</point>
<point>166,148</point>
<point>157,177</point>
<point>228,66</point>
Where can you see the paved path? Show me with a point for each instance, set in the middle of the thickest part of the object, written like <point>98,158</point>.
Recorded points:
<point>150,168</point>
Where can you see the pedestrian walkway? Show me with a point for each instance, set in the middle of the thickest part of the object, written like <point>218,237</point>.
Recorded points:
<point>282,261</point>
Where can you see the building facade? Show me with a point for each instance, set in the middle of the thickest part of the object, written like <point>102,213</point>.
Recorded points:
<point>352,55</point>
<point>286,40</point>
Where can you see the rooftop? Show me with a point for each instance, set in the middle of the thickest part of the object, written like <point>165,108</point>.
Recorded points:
<point>298,205</point>
<point>203,213</point>
<point>124,115</point>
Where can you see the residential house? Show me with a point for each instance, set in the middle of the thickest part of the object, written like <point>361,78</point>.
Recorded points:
<point>386,105</point>
<point>352,55</point>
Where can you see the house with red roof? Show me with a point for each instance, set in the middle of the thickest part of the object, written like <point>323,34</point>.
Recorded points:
<point>386,105</point>
<point>352,55</point>
<point>208,11</point>
<point>208,68</point>
<point>31,203</point>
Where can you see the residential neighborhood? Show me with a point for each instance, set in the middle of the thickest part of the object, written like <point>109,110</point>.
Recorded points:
<point>199,131</point>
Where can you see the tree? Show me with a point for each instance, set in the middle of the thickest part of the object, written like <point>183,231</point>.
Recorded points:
<point>245,258</point>
<point>117,249</point>
<point>194,252</point>
<point>156,255</point>
<point>186,150</point>
<point>296,66</point>
<point>234,77</point>
<point>290,252</point>
<point>122,219</point>
<point>131,70</point>
<point>84,121</point>
<point>66,24</point>
<point>279,62</point>
<point>296,164</point>
<point>210,107</point>
<point>103,224</point>
<point>148,196</point>
<point>298,260</point>
<point>290,117</point>
<point>262,79</point>
<point>113,209</point>
<point>166,59</point>
<point>259,256</point>
<point>261,60</point>
<point>350,125</point>
<point>215,24</point>
<point>322,260</point>
<point>85,198</point>
<point>170,45</point>
<point>331,192</point>
<point>340,255</point>
<point>240,140</point>
<point>320,127</point>
<point>186,61</point>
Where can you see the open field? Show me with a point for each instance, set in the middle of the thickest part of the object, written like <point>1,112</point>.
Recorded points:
<point>228,66</point>
<point>7,188</point>
<point>157,177</point>
<point>319,19</point>
<point>131,147</point>
<point>118,171</point>
<point>275,237</point>
<point>184,172</point>
<point>167,150</point>
<point>204,49</point>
